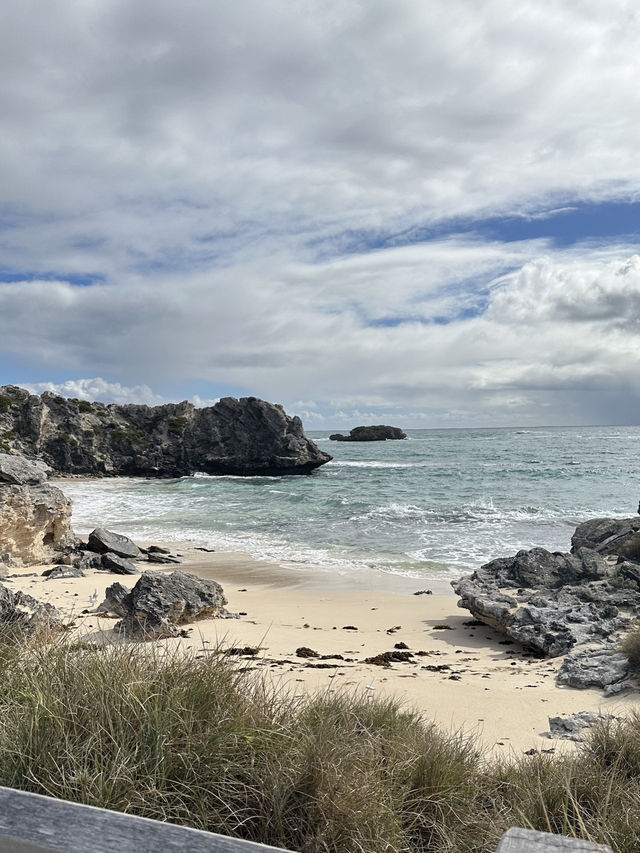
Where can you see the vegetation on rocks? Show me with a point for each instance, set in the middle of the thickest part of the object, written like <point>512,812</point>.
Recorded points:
<point>190,739</point>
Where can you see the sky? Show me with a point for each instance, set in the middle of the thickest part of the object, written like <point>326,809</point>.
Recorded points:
<point>416,212</point>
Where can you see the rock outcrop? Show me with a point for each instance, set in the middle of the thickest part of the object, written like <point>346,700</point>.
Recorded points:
<point>370,433</point>
<point>158,603</point>
<point>26,615</point>
<point>35,518</point>
<point>578,605</point>
<point>617,536</point>
<point>244,437</point>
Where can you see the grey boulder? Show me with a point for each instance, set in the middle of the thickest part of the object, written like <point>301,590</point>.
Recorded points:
<point>158,603</point>
<point>603,667</point>
<point>118,565</point>
<point>18,471</point>
<point>25,614</point>
<point>103,541</point>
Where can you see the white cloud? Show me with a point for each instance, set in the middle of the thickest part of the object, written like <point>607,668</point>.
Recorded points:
<point>224,169</point>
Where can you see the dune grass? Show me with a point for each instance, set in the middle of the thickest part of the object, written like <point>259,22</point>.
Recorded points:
<point>190,739</point>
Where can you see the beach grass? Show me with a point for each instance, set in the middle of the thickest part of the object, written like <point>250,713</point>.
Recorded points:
<point>192,739</point>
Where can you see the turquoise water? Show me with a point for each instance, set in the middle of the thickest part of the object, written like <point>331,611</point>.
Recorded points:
<point>439,502</point>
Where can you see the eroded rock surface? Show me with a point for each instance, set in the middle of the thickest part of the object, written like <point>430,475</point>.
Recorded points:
<point>247,436</point>
<point>18,471</point>
<point>578,605</point>
<point>21,612</point>
<point>159,603</point>
<point>35,524</point>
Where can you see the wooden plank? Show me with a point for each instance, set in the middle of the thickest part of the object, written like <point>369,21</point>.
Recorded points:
<point>529,841</point>
<point>31,823</point>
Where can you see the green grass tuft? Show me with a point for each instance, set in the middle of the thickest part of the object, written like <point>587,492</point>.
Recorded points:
<point>189,739</point>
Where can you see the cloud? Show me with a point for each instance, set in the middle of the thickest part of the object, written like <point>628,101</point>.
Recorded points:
<point>270,197</point>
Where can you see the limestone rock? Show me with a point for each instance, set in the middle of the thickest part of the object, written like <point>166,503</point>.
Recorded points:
<point>24,613</point>
<point>35,524</point>
<point>246,437</point>
<point>18,471</point>
<point>118,565</point>
<point>158,603</point>
<point>602,667</point>
<point>103,541</point>
<point>611,536</point>
<point>574,726</point>
<point>378,432</point>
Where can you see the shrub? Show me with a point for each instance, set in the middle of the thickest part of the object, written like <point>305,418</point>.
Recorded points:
<point>85,406</point>
<point>176,425</point>
<point>5,404</point>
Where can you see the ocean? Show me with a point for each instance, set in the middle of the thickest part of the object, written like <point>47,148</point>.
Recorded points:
<point>433,506</point>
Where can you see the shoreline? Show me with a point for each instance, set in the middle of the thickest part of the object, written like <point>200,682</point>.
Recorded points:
<point>467,678</point>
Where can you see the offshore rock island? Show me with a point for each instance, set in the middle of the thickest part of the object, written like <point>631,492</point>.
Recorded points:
<point>241,437</point>
<point>378,432</point>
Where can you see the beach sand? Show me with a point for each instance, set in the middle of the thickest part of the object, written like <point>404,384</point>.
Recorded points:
<point>465,677</point>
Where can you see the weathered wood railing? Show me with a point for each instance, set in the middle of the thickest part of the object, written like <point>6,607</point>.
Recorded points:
<point>31,823</point>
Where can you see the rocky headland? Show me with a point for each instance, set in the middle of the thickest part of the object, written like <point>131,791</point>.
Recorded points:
<point>378,432</point>
<point>577,604</point>
<point>242,437</point>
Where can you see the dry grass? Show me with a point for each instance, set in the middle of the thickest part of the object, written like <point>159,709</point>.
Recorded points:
<point>192,741</point>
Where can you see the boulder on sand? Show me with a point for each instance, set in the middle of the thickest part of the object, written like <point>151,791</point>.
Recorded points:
<point>103,541</point>
<point>159,602</point>
<point>35,524</point>
<point>21,612</point>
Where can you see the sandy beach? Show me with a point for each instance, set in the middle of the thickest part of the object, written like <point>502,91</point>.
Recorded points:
<point>463,675</point>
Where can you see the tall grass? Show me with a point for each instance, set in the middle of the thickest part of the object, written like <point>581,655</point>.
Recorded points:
<point>189,739</point>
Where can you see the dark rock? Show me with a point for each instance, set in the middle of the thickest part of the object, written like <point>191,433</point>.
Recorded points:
<point>88,560</point>
<point>370,433</point>
<point>243,651</point>
<point>103,541</point>
<point>152,557</point>
<point>247,437</point>
<point>118,565</point>
<point>156,549</point>
<point>158,603</point>
<point>21,612</point>
<point>601,667</point>
<point>58,572</point>
<point>611,536</point>
<point>18,471</point>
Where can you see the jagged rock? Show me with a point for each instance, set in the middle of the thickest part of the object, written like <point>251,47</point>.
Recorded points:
<point>152,557</point>
<point>573,726</point>
<point>104,541</point>
<point>18,471</point>
<point>603,667</point>
<point>558,600</point>
<point>156,549</point>
<point>378,432</point>
<point>614,536</point>
<point>35,524</point>
<point>88,560</point>
<point>59,572</point>
<point>27,615</point>
<point>247,436</point>
<point>118,565</point>
<point>159,602</point>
